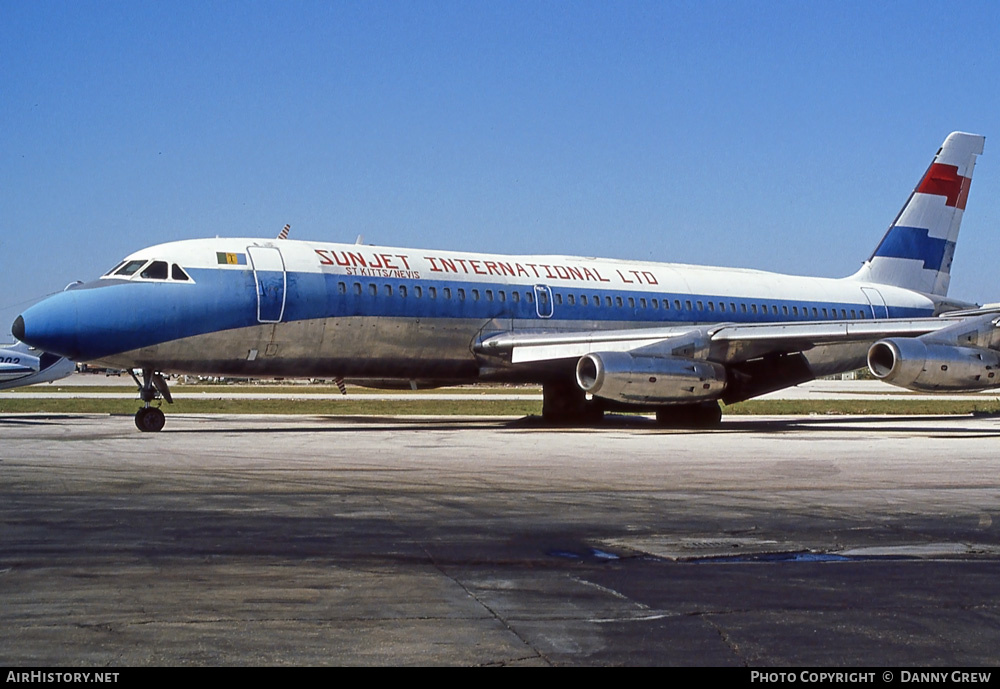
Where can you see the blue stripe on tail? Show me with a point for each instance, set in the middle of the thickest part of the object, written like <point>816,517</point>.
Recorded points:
<point>914,242</point>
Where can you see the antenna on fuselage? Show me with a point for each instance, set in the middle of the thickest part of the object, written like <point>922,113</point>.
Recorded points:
<point>284,231</point>
<point>360,239</point>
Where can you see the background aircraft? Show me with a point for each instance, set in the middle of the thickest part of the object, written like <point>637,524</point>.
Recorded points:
<point>598,334</point>
<point>21,365</point>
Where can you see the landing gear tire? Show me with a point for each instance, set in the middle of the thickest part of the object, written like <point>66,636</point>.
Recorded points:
<point>704,415</point>
<point>149,420</point>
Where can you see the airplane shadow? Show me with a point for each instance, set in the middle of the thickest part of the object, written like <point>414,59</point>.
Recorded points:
<point>931,425</point>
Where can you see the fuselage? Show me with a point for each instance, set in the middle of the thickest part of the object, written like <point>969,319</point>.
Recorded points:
<point>253,307</point>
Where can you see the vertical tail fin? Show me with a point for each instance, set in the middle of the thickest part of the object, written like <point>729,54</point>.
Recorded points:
<point>917,250</point>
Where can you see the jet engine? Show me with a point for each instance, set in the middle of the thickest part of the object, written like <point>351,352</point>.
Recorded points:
<point>656,379</point>
<point>916,364</point>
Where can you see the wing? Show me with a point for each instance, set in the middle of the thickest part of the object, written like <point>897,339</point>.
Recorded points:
<point>727,361</point>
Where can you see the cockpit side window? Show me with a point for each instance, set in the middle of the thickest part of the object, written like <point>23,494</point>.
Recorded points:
<point>157,270</point>
<point>177,273</point>
<point>130,268</point>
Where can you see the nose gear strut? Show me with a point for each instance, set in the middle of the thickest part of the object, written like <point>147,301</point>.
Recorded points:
<point>150,419</point>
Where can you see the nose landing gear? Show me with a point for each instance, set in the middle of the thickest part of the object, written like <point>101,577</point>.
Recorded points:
<point>150,419</point>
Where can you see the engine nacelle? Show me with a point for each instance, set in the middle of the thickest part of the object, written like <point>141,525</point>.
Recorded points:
<point>627,378</point>
<point>915,364</point>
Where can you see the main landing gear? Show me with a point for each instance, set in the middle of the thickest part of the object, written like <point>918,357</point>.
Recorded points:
<point>565,404</point>
<point>150,419</point>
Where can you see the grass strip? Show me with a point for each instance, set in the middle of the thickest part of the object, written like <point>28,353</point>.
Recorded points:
<point>481,407</point>
<point>285,389</point>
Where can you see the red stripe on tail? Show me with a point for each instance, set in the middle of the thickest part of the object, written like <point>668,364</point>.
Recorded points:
<point>944,180</point>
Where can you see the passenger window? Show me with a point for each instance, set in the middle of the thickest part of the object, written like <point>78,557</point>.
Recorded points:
<point>489,295</point>
<point>711,306</point>
<point>655,303</point>
<point>177,273</point>
<point>502,295</point>
<point>571,300</point>
<point>516,296</point>
<point>743,308</point>
<point>341,288</point>
<point>529,297</point>
<point>447,292</point>
<point>373,289</point>
<point>618,302</point>
<point>642,303</point>
<point>418,292</point>
<point>559,299</point>
<point>784,310</point>
<point>701,307</point>
<point>461,294</point>
<point>687,302</point>
<point>631,302</point>
<point>157,270</point>
<point>607,302</point>
<point>357,288</point>
<point>432,292</point>
<point>402,291</point>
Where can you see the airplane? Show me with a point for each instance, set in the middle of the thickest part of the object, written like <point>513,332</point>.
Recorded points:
<point>599,335</point>
<point>21,365</point>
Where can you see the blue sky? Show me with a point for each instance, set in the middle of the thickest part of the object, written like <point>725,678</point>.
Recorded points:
<point>775,135</point>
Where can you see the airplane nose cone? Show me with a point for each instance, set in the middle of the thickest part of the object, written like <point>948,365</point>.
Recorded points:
<point>18,328</point>
<point>50,326</point>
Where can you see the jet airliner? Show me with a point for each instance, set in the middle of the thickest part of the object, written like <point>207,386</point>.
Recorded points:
<point>598,334</point>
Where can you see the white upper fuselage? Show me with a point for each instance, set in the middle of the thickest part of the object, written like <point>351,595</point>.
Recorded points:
<point>757,295</point>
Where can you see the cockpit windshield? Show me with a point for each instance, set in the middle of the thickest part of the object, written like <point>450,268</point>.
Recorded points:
<point>114,269</point>
<point>144,269</point>
<point>129,268</point>
<point>157,270</point>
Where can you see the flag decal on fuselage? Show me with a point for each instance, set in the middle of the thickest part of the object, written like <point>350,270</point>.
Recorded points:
<point>231,259</point>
